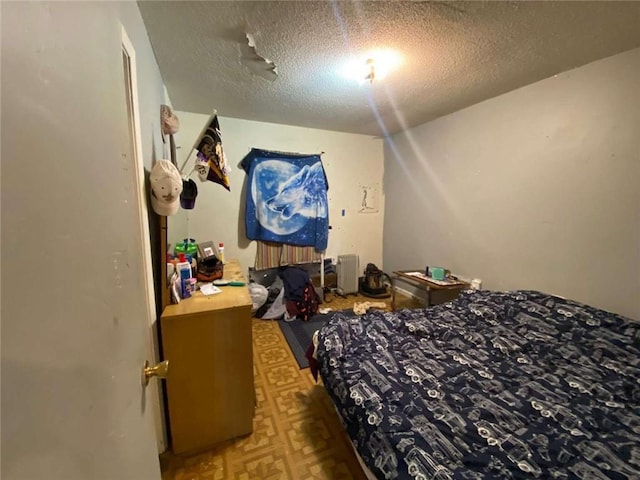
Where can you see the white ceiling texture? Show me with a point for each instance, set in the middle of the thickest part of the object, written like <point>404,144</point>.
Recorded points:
<point>454,54</point>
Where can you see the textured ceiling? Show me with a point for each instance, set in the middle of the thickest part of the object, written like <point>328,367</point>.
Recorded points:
<point>454,54</point>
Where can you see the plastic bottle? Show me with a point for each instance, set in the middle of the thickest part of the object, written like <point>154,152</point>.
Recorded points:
<point>186,287</point>
<point>187,246</point>
<point>183,267</point>
<point>221,252</point>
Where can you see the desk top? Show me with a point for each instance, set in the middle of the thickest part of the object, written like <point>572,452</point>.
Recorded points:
<point>230,297</point>
<point>427,282</point>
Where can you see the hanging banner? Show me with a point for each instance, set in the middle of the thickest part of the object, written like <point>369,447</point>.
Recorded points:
<point>211,162</point>
<point>286,198</point>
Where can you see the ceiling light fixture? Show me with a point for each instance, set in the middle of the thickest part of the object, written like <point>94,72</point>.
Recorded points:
<point>371,63</point>
<point>375,65</point>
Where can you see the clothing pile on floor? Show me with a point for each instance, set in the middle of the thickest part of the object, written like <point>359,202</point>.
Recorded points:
<point>363,307</point>
<point>291,295</point>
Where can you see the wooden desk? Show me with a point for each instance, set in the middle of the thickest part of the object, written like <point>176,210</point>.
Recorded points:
<point>420,282</point>
<point>210,390</point>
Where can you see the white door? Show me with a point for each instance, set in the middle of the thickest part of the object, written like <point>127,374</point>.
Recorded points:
<point>133,121</point>
<point>74,328</point>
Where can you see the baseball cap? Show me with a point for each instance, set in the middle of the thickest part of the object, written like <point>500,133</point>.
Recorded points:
<point>189,194</point>
<point>166,187</point>
<point>169,122</point>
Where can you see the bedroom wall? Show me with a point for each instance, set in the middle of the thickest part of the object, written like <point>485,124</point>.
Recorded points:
<point>536,189</point>
<point>349,160</point>
<point>64,110</point>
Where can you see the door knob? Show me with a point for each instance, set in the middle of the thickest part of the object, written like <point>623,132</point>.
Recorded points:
<point>160,370</point>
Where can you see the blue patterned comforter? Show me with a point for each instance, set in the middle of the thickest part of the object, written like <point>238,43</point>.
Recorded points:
<point>493,385</point>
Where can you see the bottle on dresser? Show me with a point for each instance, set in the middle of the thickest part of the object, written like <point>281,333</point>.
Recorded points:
<point>183,267</point>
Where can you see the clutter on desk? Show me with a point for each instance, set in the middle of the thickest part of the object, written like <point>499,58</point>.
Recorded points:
<point>209,289</point>
<point>206,249</point>
<point>176,289</point>
<point>221,252</point>
<point>437,275</point>
<point>190,263</point>
<point>210,269</point>
<point>174,260</point>
<point>185,274</point>
<point>188,246</point>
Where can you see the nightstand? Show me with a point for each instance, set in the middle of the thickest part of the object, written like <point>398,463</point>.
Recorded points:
<point>418,279</point>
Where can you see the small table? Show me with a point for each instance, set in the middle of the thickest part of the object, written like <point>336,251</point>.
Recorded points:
<point>422,281</point>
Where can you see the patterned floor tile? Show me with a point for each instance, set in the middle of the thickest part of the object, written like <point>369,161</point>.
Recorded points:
<point>210,465</point>
<point>309,436</point>
<point>265,340</point>
<point>273,356</point>
<point>272,465</point>
<point>264,435</point>
<point>292,401</point>
<point>282,375</point>
<point>261,394</point>
<point>329,468</point>
<point>262,326</point>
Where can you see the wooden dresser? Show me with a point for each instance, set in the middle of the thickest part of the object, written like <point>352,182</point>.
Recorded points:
<point>210,390</point>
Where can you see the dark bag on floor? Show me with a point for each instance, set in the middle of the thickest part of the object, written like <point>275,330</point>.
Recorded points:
<point>372,284</point>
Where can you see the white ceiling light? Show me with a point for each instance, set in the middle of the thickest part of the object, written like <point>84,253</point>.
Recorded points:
<point>374,65</point>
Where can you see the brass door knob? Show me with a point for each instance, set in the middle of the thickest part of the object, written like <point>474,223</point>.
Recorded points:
<point>160,370</point>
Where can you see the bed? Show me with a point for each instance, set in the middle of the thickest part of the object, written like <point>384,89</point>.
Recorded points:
<point>492,385</point>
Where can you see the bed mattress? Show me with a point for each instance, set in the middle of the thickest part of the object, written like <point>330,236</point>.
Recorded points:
<point>493,385</point>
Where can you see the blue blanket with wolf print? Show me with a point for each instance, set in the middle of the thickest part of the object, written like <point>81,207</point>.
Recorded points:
<point>286,198</point>
<point>494,385</point>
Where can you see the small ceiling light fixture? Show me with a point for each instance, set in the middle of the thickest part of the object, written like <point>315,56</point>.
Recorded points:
<point>371,63</point>
<point>375,65</point>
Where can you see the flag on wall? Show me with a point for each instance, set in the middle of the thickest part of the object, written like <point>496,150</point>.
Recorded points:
<point>286,198</point>
<point>211,162</point>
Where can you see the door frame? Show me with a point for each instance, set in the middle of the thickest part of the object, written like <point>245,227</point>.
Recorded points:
<point>133,112</point>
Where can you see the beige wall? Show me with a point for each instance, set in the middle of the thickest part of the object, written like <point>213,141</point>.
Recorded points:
<point>349,161</point>
<point>536,189</point>
<point>72,346</point>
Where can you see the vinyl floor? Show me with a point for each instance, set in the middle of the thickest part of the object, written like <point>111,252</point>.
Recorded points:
<point>296,431</point>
